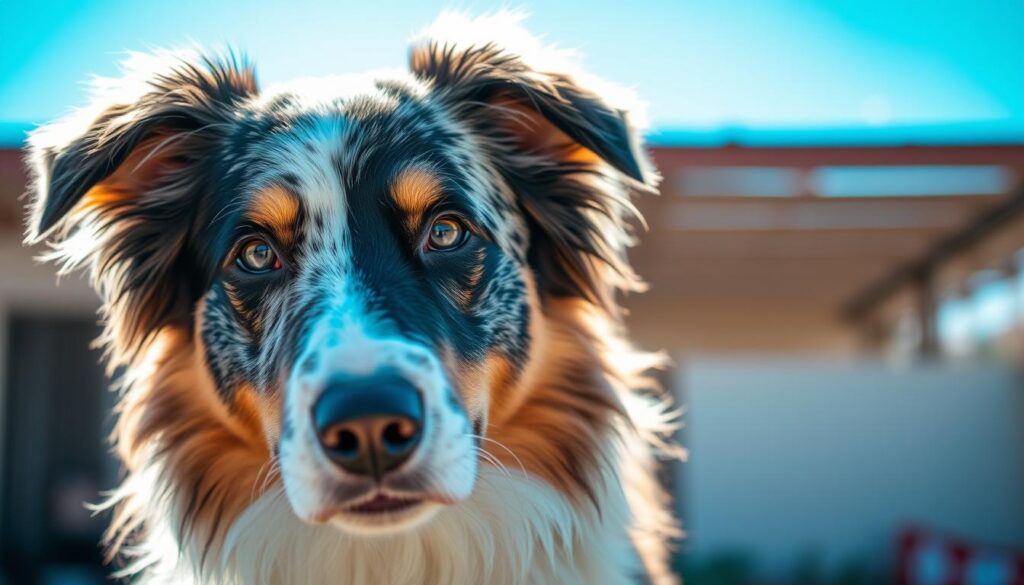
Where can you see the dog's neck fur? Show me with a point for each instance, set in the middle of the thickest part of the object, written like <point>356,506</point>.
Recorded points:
<point>515,528</point>
<point>512,530</point>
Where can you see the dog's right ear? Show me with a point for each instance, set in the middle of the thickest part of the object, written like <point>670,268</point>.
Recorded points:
<point>117,186</point>
<point>163,95</point>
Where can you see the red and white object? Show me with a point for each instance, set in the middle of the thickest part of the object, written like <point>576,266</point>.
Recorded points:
<point>930,558</point>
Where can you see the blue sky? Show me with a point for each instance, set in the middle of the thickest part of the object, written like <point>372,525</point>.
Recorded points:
<point>904,69</point>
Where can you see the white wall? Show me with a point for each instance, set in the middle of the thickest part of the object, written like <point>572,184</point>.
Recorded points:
<point>790,457</point>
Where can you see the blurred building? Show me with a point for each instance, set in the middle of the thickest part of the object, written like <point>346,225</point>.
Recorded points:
<point>841,250</point>
<point>847,323</point>
<point>848,326</point>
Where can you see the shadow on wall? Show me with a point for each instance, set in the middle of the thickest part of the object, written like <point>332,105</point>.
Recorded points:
<point>55,460</point>
<point>808,471</point>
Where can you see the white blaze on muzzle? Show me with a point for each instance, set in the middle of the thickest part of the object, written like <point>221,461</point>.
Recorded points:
<point>371,411</point>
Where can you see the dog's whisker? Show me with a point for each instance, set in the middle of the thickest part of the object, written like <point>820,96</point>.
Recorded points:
<point>268,472</point>
<point>492,460</point>
<point>503,446</point>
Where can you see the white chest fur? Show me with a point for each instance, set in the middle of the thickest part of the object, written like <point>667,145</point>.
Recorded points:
<point>512,530</point>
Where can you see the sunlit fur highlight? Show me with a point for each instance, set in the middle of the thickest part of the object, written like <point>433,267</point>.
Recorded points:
<point>566,492</point>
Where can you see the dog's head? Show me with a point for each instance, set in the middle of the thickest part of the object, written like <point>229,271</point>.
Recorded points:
<point>362,272</point>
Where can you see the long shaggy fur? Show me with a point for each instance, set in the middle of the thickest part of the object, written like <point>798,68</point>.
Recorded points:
<point>566,490</point>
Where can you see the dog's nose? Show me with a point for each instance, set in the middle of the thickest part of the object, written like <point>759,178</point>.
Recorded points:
<point>369,426</point>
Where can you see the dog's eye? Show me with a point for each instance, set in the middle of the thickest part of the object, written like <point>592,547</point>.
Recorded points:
<point>257,257</point>
<point>446,233</point>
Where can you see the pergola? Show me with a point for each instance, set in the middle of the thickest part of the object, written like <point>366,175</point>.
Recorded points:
<point>855,256</point>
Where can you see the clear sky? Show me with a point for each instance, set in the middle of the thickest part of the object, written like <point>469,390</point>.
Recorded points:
<point>701,65</point>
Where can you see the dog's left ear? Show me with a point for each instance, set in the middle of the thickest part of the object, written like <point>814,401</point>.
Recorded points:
<point>572,157</point>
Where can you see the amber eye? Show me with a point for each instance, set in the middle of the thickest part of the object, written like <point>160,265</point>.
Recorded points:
<point>257,257</point>
<point>446,233</point>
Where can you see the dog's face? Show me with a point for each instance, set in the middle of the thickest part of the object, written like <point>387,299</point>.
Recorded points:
<point>373,285</point>
<point>364,272</point>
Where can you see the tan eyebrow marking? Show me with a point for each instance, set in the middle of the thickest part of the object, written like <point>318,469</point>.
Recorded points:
<point>277,209</point>
<point>414,191</point>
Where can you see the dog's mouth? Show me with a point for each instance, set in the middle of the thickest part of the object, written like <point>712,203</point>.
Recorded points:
<point>381,512</point>
<point>382,503</point>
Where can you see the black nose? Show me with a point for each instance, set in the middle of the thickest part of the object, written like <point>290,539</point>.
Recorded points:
<point>369,426</point>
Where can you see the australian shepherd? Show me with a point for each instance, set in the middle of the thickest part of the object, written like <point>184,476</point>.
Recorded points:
<point>367,328</point>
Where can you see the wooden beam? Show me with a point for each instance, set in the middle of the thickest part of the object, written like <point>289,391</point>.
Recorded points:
<point>825,280</point>
<point>759,266</point>
<point>895,246</point>
<point>802,157</point>
<point>818,214</point>
<point>669,199</point>
<point>861,304</point>
<point>806,288</point>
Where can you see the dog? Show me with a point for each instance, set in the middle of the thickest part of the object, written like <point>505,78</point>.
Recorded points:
<point>368,327</point>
